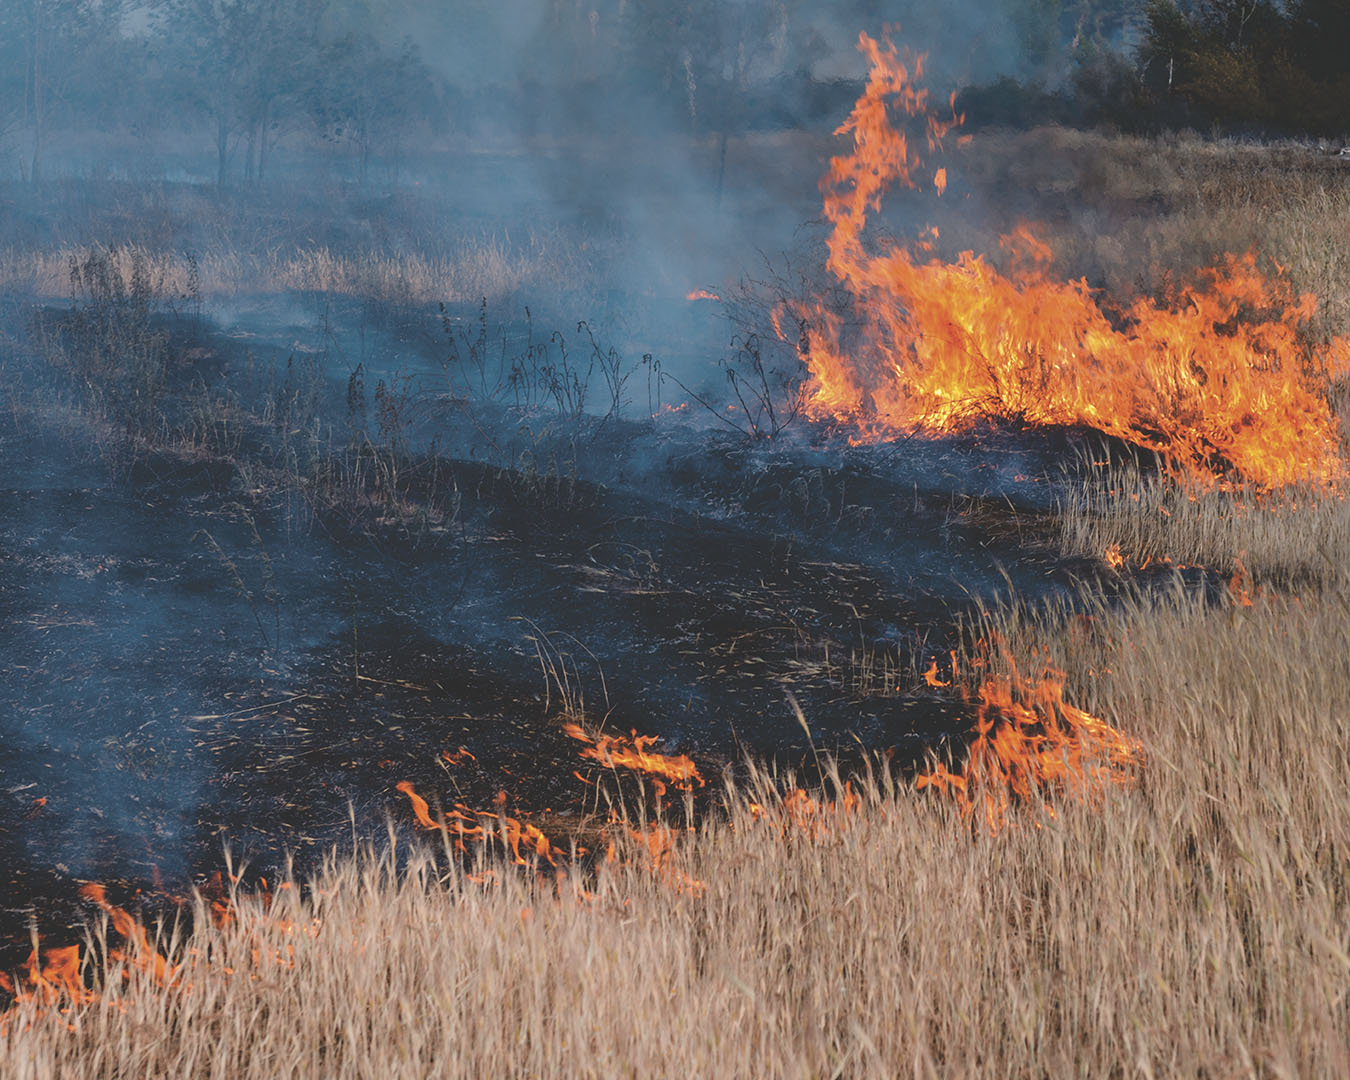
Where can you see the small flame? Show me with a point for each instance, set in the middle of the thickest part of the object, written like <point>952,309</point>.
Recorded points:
<point>619,751</point>
<point>659,843</point>
<point>1114,559</point>
<point>1028,743</point>
<point>702,294</point>
<point>931,676</point>
<point>1240,586</point>
<point>463,824</point>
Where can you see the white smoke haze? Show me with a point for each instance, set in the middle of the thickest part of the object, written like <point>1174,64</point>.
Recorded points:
<point>359,360</point>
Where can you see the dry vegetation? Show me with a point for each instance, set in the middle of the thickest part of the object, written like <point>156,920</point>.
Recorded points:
<point>1128,212</point>
<point>1196,922</point>
<point>1285,540</point>
<point>483,268</point>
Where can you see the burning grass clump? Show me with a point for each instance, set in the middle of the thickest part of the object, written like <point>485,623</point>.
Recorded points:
<point>1196,922</point>
<point>1128,213</point>
<point>1218,376</point>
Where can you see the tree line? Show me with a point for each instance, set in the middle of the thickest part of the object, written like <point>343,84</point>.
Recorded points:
<point>241,77</point>
<point>242,72</point>
<point>1253,64</point>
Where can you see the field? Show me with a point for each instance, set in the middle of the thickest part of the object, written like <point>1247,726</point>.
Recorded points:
<point>301,522</point>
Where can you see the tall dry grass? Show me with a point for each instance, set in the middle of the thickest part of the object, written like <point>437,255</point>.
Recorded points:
<point>482,268</point>
<point>1131,212</point>
<point>1286,538</point>
<point>1196,923</point>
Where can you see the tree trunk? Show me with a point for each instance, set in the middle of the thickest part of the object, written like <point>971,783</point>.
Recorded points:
<point>38,104</point>
<point>222,147</point>
<point>262,140</point>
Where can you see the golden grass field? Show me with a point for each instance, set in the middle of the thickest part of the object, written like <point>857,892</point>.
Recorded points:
<point>1196,923</point>
<point>1193,922</point>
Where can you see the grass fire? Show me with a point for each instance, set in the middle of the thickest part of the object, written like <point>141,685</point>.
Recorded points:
<point>721,540</point>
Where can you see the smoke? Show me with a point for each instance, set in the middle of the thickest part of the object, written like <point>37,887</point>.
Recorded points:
<point>657,147</point>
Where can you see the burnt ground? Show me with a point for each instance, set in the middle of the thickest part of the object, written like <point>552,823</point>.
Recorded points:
<point>242,624</point>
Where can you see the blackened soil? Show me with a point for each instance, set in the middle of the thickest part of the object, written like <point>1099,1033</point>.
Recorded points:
<point>249,638</point>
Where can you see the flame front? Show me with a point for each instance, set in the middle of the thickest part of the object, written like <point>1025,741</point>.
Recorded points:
<point>57,982</point>
<point>1220,377</point>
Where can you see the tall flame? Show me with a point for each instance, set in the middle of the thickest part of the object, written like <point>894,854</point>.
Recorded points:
<point>144,955</point>
<point>1219,377</point>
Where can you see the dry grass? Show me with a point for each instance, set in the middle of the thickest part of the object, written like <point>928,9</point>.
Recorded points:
<point>1285,538</point>
<point>1197,923</point>
<point>1129,212</point>
<point>483,268</point>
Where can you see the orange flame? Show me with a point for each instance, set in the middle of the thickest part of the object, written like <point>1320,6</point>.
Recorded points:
<point>1028,743</point>
<point>59,982</point>
<point>464,824</point>
<point>659,843</point>
<point>810,816</point>
<point>55,983</point>
<point>702,294</point>
<point>1220,377</point>
<point>1240,586</point>
<point>144,955</point>
<point>931,676</point>
<point>618,751</point>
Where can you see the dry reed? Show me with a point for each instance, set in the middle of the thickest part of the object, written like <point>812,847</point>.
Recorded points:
<point>1197,923</point>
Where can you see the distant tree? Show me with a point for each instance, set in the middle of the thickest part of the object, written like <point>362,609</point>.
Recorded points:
<point>54,54</point>
<point>280,68</point>
<point>212,40</point>
<point>370,97</point>
<point>1170,38</point>
<point>1040,36</point>
<point>705,53</point>
<point>244,61</point>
